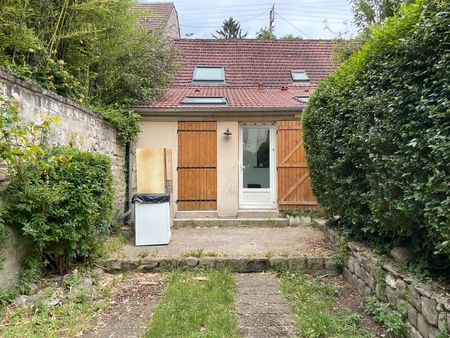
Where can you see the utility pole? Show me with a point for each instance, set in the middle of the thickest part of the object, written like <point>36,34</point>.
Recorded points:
<point>271,20</point>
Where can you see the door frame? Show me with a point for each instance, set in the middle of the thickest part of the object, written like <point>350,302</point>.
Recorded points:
<point>273,167</point>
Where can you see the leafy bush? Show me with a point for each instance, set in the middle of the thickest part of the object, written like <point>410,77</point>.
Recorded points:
<point>62,210</point>
<point>377,134</point>
<point>58,199</point>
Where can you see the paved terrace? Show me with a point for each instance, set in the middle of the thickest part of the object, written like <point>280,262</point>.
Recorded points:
<point>301,248</point>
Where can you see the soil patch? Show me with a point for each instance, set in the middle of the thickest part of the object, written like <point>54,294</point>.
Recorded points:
<point>130,307</point>
<point>350,300</point>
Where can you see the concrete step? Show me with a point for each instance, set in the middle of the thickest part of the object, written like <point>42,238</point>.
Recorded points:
<point>196,214</point>
<point>258,213</point>
<point>230,222</point>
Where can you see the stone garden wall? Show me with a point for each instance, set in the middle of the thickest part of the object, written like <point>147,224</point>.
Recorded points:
<point>428,308</point>
<point>78,126</point>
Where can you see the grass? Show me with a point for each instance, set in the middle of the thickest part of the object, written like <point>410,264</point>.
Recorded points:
<point>199,253</point>
<point>67,319</point>
<point>313,302</point>
<point>113,244</point>
<point>196,304</point>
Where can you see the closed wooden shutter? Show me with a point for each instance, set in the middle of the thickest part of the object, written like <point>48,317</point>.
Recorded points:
<point>197,160</point>
<point>294,186</point>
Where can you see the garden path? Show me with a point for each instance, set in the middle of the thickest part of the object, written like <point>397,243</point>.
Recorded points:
<point>262,309</point>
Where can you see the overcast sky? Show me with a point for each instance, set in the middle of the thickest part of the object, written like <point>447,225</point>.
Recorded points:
<point>306,18</point>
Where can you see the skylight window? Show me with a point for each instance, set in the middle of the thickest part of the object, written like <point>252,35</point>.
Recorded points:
<point>209,74</point>
<point>302,99</point>
<point>299,75</point>
<point>207,100</point>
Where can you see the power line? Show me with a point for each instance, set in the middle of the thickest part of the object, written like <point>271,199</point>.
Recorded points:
<point>303,33</point>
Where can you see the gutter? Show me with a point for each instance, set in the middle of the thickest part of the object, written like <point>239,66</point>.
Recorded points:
<point>212,112</point>
<point>152,110</point>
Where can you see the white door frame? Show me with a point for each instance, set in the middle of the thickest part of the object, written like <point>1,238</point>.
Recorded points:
<point>271,204</point>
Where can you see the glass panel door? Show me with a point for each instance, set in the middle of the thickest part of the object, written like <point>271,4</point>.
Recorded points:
<point>256,157</point>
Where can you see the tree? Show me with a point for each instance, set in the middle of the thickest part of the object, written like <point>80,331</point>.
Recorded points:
<point>91,51</point>
<point>263,34</point>
<point>369,12</point>
<point>231,29</point>
<point>290,37</point>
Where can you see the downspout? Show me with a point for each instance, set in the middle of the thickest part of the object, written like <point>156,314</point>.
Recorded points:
<point>125,216</point>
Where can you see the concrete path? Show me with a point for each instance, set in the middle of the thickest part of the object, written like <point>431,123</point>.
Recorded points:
<point>263,311</point>
<point>236,242</point>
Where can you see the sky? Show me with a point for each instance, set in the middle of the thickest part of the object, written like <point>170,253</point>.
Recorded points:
<point>310,19</point>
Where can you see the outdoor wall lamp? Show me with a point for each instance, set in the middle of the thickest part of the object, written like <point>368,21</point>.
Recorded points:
<point>227,132</point>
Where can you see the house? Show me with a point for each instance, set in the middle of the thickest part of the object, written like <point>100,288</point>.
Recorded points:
<point>160,16</point>
<point>231,118</point>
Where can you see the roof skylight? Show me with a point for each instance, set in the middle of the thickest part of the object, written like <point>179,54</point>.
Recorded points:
<point>206,100</point>
<point>302,99</point>
<point>299,75</point>
<point>209,74</point>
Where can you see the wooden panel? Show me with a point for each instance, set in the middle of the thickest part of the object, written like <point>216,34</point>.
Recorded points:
<point>197,160</point>
<point>150,170</point>
<point>294,185</point>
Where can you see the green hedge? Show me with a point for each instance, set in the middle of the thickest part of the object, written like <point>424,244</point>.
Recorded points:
<point>62,207</point>
<point>377,134</point>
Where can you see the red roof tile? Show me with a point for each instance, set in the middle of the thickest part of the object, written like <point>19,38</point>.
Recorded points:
<point>248,63</point>
<point>158,13</point>
<point>241,97</point>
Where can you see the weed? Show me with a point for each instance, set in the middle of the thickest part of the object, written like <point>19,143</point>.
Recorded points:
<point>313,302</point>
<point>67,319</point>
<point>270,254</point>
<point>144,254</point>
<point>114,244</point>
<point>392,320</point>
<point>199,253</point>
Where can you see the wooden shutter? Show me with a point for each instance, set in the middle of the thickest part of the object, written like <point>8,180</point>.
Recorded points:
<point>197,160</point>
<point>294,186</point>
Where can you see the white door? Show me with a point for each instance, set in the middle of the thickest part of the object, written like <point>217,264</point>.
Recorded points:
<point>257,166</point>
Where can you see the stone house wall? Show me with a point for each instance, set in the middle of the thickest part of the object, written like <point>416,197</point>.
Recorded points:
<point>428,308</point>
<point>78,126</point>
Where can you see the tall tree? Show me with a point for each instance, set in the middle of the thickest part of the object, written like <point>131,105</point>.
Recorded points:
<point>263,34</point>
<point>369,12</point>
<point>231,29</point>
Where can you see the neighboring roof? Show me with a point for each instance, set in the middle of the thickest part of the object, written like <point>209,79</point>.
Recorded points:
<point>159,13</point>
<point>257,72</point>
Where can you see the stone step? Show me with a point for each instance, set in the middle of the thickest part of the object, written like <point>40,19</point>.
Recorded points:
<point>304,264</point>
<point>230,222</point>
<point>258,214</point>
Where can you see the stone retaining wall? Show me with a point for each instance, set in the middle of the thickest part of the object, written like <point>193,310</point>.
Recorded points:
<point>78,126</point>
<point>428,308</point>
<point>305,264</point>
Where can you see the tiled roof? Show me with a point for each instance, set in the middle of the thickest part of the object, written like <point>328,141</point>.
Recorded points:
<point>159,13</point>
<point>237,97</point>
<point>248,64</point>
